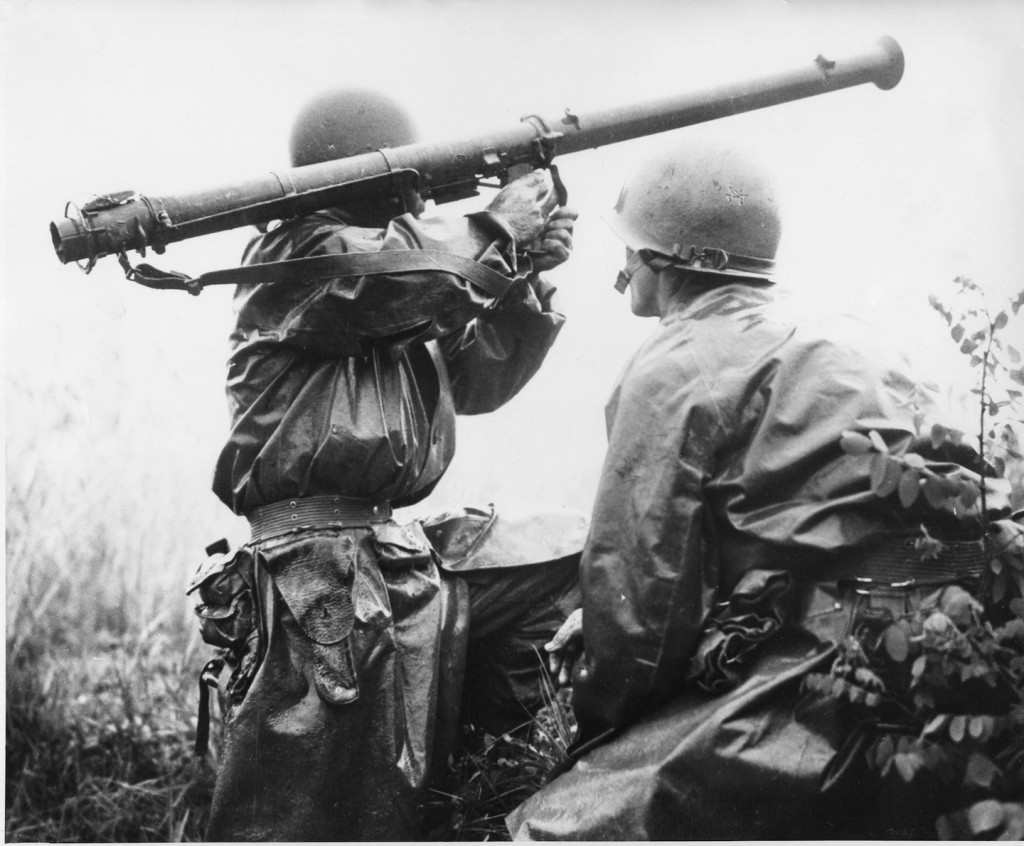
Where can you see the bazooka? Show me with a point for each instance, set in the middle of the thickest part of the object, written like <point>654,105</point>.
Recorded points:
<point>116,222</point>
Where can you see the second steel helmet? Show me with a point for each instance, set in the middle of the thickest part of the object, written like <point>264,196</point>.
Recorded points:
<point>708,207</point>
<point>346,122</point>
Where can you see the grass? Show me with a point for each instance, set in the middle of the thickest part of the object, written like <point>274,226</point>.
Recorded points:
<point>492,775</point>
<point>102,649</point>
<point>99,749</point>
<point>98,744</point>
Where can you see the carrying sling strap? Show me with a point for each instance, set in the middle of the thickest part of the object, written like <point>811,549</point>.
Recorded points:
<point>207,678</point>
<point>325,267</point>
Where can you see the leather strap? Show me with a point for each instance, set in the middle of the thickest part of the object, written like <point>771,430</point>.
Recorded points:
<point>208,677</point>
<point>341,265</point>
<point>314,512</point>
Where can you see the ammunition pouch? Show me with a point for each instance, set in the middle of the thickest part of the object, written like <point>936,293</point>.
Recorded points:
<point>315,574</point>
<point>228,616</point>
<point>226,608</point>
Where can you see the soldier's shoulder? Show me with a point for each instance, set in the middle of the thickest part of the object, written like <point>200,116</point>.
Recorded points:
<point>307,235</point>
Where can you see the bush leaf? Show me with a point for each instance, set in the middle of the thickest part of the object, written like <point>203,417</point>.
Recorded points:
<point>980,727</point>
<point>909,487</point>
<point>885,475</point>
<point>912,459</point>
<point>897,643</point>
<point>854,443</point>
<point>934,492</point>
<point>985,816</point>
<point>877,442</point>
<point>969,494</point>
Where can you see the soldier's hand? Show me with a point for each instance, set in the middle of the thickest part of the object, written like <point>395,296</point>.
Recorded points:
<point>565,647</point>
<point>526,204</point>
<point>556,239</point>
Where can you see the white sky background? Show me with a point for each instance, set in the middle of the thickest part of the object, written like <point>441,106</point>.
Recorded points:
<point>889,194</point>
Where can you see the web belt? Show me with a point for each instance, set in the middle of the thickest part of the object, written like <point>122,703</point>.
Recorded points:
<point>315,512</point>
<point>898,561</point>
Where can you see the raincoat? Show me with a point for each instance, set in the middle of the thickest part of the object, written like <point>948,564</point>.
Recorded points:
<point>351,387</point>
<point>724,495</point>
<point>343,646</point>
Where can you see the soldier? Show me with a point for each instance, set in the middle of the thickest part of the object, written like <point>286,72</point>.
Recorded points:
<point>340,636</point>
<point>727,521</point>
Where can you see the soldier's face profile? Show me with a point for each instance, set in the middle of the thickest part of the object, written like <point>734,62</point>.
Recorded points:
<point>643,290</point>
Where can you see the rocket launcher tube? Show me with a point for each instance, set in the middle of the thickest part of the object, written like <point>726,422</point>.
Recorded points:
<point>115,223</point>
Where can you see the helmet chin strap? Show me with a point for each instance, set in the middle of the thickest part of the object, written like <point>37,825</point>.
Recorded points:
<point>706,259</point>
<point>637,261</point>
<point>718,260</point>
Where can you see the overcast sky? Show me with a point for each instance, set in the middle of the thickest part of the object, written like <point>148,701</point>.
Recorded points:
<point>888,194</point>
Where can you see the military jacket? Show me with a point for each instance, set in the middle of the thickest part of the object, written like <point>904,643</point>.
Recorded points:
<point>350,386</point>
<point>723,455</point>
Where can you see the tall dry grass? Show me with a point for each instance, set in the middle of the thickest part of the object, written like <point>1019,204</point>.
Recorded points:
<point>103,530</point>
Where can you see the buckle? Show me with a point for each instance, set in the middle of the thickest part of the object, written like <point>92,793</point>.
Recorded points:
<point>865,586</point>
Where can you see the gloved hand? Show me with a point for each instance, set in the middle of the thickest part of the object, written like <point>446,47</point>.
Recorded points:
<point>526,204</point>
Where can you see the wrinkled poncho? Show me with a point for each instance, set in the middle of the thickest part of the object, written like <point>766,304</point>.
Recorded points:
<point>724,463</point>
<point>351,387</point>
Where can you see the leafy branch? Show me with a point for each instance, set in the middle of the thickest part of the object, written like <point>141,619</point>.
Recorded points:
<point>909,476</point>
<point>978,329</point>
<point>939,691</point>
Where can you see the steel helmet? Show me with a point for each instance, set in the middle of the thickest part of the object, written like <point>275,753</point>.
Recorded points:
<point>707,207</point>
<point>345,122</point>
